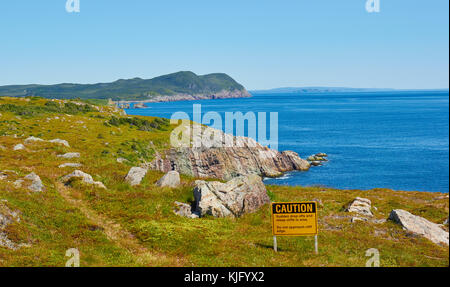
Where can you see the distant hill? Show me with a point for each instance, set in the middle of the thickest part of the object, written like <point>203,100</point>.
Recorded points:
<point>318,90</point>
<point>181,85</point>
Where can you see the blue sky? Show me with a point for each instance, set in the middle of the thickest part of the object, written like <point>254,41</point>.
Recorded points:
<point>262,44</point>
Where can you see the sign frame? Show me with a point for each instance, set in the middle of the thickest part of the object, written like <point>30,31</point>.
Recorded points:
<point>316,222</point>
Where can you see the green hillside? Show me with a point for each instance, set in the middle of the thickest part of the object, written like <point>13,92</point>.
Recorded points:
<point>132,89</point>
<point>126,225</point>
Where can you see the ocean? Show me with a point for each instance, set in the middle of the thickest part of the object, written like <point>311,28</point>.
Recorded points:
<point>396,139</point>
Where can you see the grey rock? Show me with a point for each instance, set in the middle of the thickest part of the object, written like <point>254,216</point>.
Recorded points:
<point>19,147</point>
<point>75,165</point>
<point>70,155</point>
<point>420,226</point>
<point>241,195</point>
<point>60,141</point>
<point>33,139</point>
<point>184,210</point>
<point>18,183</point>
<point>122,160</point>
<point>220,159</point>
<point>135,175</point>
<point>86,178</point>
<point>170,179</point>
<point>36,182</point>
<point>7,216</point>
<point>320,157</point>
<point>361,206</point>
<point>355,219</point>
<point>445,222</point>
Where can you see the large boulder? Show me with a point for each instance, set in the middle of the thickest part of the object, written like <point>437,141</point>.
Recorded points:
<point>235,198</point>
<point>170,179</point>
<point>85,178</point>
<point>135,175</point>
<point>419,225</point>
<point>361,206</point>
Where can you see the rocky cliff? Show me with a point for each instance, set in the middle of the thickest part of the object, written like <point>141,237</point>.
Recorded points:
<point>226,162</point>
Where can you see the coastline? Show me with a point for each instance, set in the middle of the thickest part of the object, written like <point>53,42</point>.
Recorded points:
<point>224,94</point>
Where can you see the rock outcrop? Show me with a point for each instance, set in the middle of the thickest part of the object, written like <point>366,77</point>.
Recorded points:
<point>170,179</point>
<point>85,178</point>
<point>361,206</point>
<point>135,175</point>
<point>245,194</point>
<point>419,225</point>
<point>317,159</point>
<point>218,160</point>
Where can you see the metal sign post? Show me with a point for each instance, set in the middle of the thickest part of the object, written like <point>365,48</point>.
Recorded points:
<point>275,247</point>
<point>316,244</point>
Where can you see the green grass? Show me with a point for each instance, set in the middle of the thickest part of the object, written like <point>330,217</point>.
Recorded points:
<point>51,224</point>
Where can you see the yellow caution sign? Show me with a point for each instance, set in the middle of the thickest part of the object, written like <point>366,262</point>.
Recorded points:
<point>294,219</point>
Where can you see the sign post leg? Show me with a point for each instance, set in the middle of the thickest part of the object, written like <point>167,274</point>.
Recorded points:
<point>275,247</point>
<point>316,244</point>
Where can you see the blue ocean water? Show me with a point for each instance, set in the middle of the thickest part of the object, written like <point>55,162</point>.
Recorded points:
<point>397,140</point>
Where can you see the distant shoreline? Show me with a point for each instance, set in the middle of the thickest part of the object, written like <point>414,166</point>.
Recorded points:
<point>326,90</point>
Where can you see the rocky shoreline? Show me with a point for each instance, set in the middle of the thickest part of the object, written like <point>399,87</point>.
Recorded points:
<point>224,94</point>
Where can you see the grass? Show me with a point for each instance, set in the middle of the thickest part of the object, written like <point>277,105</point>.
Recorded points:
<point>135,226</point>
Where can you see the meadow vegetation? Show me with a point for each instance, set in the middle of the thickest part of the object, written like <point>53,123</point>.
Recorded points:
<point>136,226</point>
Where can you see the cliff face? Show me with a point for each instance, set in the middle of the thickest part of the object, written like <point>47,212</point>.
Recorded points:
<point>247,157</point>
